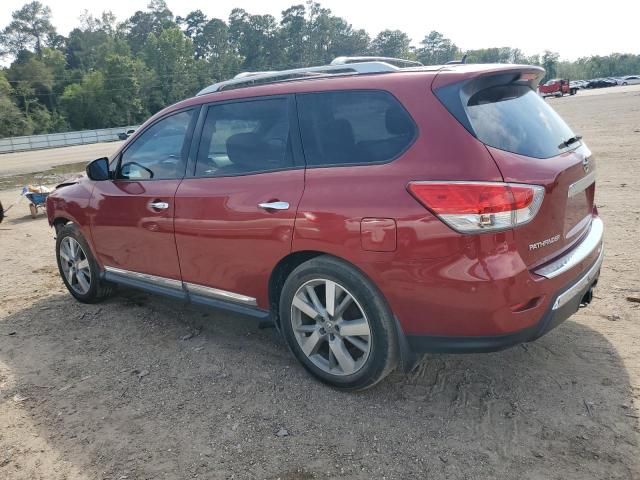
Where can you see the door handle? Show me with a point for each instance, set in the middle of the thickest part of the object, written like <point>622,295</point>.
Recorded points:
<point>157,205</point>
<point>274,205</point>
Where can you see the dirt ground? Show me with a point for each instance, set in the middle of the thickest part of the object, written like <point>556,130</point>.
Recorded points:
<point>141,387</point>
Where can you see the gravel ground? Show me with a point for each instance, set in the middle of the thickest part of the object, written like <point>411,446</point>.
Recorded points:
<point>140,387</point>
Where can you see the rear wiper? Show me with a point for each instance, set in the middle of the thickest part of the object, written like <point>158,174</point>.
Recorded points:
<point>570,141</point>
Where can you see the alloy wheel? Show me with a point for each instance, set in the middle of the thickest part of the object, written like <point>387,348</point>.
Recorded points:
<point>75,265</point>
<point>331,327</point>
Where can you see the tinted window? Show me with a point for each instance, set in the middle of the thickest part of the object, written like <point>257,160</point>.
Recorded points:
<point>516,119</point>
<point>341,128</point>
<point>160,152</point>
<point>245,137</point>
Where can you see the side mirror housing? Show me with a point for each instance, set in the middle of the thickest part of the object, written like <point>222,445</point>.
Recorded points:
<point>98,170</point>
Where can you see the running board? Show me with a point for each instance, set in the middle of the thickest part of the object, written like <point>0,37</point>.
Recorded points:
<point>190,292</point>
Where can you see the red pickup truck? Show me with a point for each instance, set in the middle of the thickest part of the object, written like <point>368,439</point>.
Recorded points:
<point>557,87</point>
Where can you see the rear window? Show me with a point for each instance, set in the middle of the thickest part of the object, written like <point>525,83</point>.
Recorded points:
<point>514,118</point>
<point>353,127</point>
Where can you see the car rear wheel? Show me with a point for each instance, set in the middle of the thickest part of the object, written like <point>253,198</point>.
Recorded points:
<point>337,324</point>
<point>78,268</point>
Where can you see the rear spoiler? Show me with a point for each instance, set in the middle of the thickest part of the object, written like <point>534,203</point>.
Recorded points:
<point>455,86</point>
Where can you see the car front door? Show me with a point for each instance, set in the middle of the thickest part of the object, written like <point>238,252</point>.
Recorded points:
<point>132,221</point>
<point>235,211</point>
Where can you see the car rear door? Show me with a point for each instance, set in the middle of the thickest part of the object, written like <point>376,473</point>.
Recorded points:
<point>235,210</point>
<point>132,215</point>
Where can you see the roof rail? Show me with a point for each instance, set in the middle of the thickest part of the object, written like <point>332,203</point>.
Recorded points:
<point>251,74</point>
<point>391,60</point>
<point>248,79</point>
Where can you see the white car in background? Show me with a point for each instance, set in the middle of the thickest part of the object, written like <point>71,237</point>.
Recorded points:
<point>629,80</point>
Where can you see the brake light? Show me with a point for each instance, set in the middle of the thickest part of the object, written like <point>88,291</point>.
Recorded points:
<point>472,207</point>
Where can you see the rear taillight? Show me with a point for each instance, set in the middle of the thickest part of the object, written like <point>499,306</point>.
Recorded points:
<point>473,207</point>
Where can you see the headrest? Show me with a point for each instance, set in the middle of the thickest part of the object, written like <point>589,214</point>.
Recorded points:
<point>244,149</point>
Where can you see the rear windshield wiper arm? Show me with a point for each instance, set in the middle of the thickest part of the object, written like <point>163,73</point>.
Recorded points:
<point>570,141</point>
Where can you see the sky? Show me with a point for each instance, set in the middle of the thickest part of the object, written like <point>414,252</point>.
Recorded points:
<point>570,27</point>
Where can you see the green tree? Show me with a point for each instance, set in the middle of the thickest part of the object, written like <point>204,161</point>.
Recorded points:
<point>255,39</point>
<point>436,49</point>
<point>108,74</point>
<point>12,121</point>
<point>221,60</point>
<point>496,55</point>
<point>85,103</point>
<point>33,82</point>
<point>30,28</point>
<point>392,43</point>
<point>170,56</point>
<point>550,64</point>
<point>330,36</point>
<point>194,27</point>
<point>154,20</point>
<point>294,36</point>
<point>93,41</point>
<point>124,78</point>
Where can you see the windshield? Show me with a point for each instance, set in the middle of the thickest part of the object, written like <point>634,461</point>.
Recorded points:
<point>514,118</point>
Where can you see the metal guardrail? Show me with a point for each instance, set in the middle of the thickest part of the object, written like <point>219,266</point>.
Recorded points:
<point>66,139</point>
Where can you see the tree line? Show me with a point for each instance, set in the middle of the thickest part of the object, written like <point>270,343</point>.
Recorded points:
<point>107,73</point>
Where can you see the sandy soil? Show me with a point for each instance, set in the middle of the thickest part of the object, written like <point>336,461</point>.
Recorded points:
<point>141,387</point>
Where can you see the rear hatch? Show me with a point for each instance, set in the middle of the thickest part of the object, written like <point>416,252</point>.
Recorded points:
<point>531,144</point>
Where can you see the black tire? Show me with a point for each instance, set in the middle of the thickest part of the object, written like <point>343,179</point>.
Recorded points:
<point>383,341</point>
<point>98,289</point>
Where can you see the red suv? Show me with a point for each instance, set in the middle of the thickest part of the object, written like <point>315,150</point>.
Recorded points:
<point>370,212</point>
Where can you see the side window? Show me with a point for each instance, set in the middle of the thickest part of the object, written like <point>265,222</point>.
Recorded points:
<point>160,152</point>
<point>353,127</point>
<point>245,137</point>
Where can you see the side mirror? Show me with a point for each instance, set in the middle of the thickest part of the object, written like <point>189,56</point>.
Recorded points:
<point>98,170</point>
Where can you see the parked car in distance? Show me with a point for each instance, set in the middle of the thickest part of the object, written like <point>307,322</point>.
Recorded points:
<point>578,84</point>
<point>629,80</point>
<point>125,135</point>
<point>557,87</point>
<point>601,83</point>
<point>369,212</point>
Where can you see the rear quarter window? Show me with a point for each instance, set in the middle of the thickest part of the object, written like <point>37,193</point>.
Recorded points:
<point>353,127</point>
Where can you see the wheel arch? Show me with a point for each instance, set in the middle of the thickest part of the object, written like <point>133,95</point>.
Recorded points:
<point>279,275</point>
<point>59,222</point>
<point>408,359</point>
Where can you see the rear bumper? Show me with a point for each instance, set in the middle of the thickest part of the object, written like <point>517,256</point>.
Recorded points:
<point>564,304</point>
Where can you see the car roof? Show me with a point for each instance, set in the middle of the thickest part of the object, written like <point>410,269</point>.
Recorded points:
<point>368,81</point>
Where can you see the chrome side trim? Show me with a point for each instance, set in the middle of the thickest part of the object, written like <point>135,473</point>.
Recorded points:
<point>145,277</point>
<point>568,295</point>
<point>592,241</point>
<point>220,294</point>
<point>582,184</point>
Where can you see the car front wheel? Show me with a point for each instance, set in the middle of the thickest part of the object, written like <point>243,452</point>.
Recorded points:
<point>337,324</point>
<point>78,268</point>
